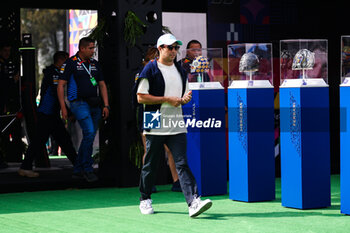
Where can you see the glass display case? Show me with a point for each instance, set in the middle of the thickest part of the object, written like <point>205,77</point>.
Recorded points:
<point>344,106</point>
<point>204,67</point>
<point>303,63</point>
<point>345,61</point>
<point>250,65</point>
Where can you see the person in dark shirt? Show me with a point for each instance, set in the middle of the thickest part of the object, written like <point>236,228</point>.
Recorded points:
<point>49,120</point>
<point>85,87</point>
<point>193,49</point>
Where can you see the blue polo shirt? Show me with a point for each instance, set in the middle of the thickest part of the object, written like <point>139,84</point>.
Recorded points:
<point>76,73</point>
<point>49,104</point>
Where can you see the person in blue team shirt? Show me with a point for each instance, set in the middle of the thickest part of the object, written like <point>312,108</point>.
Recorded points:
<point>85,87</point>
<point>49,120</point>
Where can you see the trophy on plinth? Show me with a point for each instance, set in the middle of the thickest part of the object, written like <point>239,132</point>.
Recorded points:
<point>204,68</point>
<point>199,66</point>
<point>344,94</point>
<point>250,100</point>
<point>303,60</point>
<point>304,124</point>
<point>249,64</point>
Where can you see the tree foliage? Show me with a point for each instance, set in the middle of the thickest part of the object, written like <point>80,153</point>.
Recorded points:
<point>48,29</point>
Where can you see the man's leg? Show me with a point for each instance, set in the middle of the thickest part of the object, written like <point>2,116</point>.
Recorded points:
<point>86,144</point>
<point>154,144</point>
<point>178,146</point>
<point>42,135</point>
<point>81,111</point>
<point>96,116</point>
<point>176,183</point>
<point>63,139</point>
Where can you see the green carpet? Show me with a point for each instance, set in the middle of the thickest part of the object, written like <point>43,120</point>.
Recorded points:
<point>116,210</point>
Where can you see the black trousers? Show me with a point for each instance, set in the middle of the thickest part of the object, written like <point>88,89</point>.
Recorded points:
<point>178,147</point>
<point>49,125</point>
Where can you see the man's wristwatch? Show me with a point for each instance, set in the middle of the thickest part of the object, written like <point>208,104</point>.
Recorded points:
<point>107,106</point>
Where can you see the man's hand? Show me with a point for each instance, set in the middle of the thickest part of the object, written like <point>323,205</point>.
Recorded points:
<point>60,95</point>
<point>105,113</point>
<point>104,94</point>
<point>64,113</point>
<point>174,101</point>
<point>186,98</point>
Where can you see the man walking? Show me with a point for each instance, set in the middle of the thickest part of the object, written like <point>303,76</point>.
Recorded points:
<point>163,88</point>
<point>85,87</point>
<point>49,120</point>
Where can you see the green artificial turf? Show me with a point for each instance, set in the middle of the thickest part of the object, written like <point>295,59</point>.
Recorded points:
<point>116,210</point>
<point>57,157</point>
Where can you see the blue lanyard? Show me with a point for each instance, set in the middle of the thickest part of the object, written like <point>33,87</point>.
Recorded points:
<point>87,70</point>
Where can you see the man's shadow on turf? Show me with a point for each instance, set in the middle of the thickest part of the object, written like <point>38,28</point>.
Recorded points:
<point>219,216</point>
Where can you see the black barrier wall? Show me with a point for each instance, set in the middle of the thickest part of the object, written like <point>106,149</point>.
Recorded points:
<point>120,62</point>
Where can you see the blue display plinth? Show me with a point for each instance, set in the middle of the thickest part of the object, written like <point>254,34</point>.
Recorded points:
<point>251,144</point>
<point>345,150</point>
<point>305,150</point>
<point>206,142</point>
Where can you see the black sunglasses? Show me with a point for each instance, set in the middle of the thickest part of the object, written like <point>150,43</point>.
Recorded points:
<point>171,47</point>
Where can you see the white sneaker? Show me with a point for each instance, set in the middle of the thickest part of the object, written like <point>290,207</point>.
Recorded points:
<point>146,206</point>
<point>198,206</point>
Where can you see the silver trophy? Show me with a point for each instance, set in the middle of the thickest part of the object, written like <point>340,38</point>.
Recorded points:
<point>303,60</point>
<point>249,63</point>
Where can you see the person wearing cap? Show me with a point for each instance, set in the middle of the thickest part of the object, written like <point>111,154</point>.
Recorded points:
<point>163,88</point>
<point>151,54</point>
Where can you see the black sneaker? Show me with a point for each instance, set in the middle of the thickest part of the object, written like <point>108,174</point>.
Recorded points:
<point>90,176</point>
<point>176,187</point>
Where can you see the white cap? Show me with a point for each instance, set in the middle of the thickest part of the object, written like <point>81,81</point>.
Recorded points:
<point>167,39</point>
